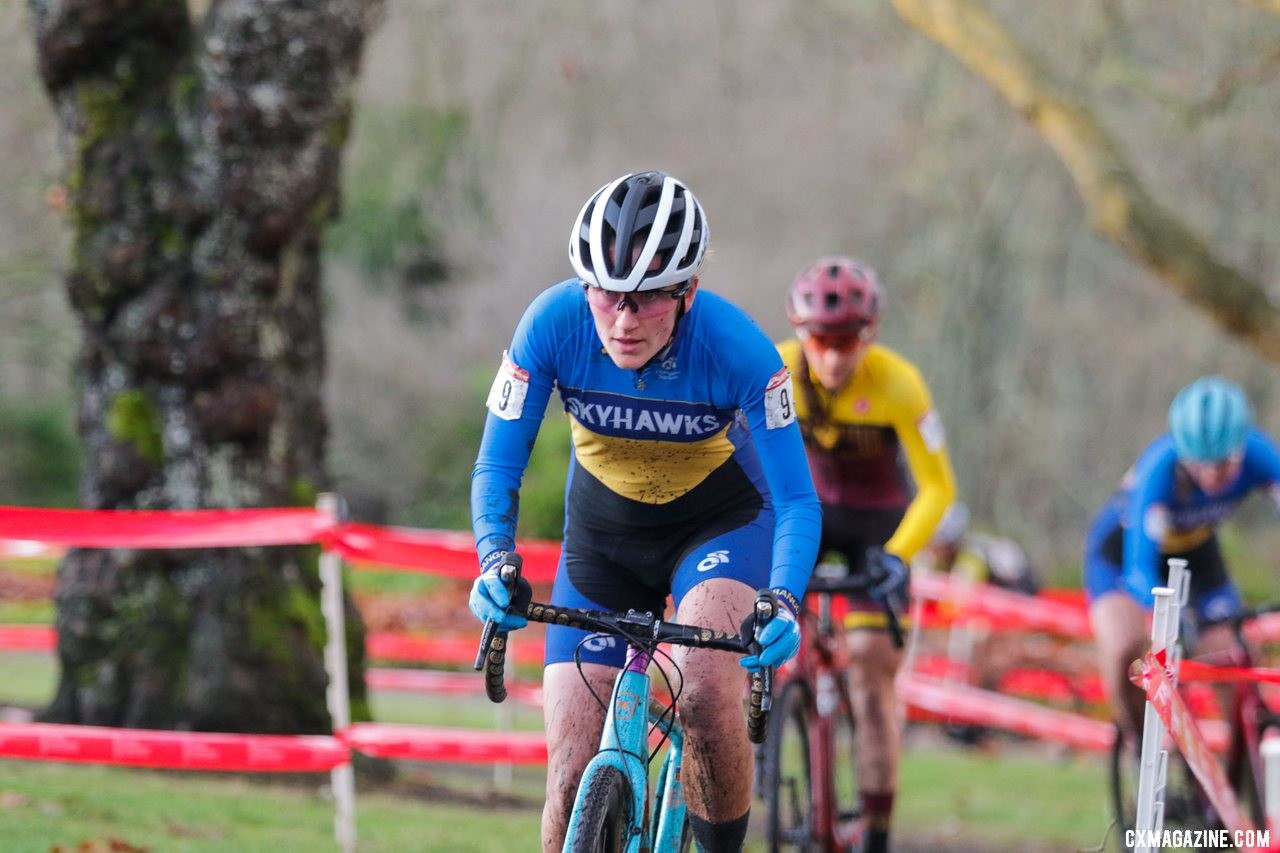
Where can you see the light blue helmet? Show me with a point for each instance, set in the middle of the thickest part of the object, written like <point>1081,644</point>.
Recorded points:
<point>1208,419</point>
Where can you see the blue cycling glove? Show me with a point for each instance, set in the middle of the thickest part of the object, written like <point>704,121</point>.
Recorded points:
<point>889,578</point>
<point>490,599</point>
<point>779,639</point>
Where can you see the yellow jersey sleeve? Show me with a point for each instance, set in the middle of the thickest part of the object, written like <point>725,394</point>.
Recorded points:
<point>924,443</point>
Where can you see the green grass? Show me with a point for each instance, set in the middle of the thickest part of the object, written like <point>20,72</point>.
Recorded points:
<point>467,712</point>
<point>376,581</point>
<point>1008,801</point>
<point>1020,798</point>
<point>27,679</point>
<point>71,807</point>
<point>28,612</point>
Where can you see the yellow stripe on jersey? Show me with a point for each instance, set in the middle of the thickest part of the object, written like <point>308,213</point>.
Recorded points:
<point>652,472</point>
<point>1182,541</point>
<point>872,620</point>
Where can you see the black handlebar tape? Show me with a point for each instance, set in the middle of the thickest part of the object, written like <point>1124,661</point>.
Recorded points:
<point>758,707</point>
<point>494,665</point>
<point>492,655</point>
<point>766,607</point>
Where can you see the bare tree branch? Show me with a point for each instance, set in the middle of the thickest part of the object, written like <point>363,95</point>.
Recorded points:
<point>1231,84</point>
<point>1119,207</point>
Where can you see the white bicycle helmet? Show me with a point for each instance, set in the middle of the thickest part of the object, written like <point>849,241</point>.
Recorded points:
<point>952,526</point>
<point>651,210</point>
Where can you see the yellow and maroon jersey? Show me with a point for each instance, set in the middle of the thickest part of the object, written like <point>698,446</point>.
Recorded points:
<point>857,438</point>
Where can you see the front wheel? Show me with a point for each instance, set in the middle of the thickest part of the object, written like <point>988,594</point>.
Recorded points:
<point>785,778</point>
<point>602,820</point>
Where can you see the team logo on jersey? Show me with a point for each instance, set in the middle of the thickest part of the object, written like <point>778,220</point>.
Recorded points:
<point>621,416</point>
<point>598,643</point>
<point>935,437</point>
<point>713,559</point>
<point>668,368</point>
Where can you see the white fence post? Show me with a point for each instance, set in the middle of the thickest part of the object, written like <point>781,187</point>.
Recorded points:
<point>1154,766</point>
<point>1271,784</point>
<point>338,695</point>
<point>1154,763</point>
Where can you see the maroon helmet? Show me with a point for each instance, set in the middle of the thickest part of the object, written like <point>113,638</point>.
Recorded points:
<point>835,295</point>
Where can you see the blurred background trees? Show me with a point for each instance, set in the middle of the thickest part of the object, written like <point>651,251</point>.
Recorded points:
<point>805,128</point>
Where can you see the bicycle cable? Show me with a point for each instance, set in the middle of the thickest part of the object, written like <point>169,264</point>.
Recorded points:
<point>643,643</point>
<point>669,711</point>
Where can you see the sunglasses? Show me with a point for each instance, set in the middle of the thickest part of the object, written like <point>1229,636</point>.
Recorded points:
<point>643,303</point>
<point>838,341</point>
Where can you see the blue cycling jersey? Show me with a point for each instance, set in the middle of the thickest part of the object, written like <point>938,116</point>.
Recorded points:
<point>1164,511</point>
<point>656,439</point>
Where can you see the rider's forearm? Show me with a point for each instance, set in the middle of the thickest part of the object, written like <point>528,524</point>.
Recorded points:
<point>795,548</point>
<point>495,485</point>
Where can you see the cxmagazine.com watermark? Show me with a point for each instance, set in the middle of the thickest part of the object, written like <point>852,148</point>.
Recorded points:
<point>1198,839</point>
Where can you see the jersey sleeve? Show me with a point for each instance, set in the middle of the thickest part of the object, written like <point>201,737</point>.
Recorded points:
<point>766,397</point>
<point>1262,463</point>
<point>1146,519</point>
<point>924,442</point>
<point>516,404</point>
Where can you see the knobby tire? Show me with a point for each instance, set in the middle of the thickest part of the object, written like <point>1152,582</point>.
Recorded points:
<point>604,823</point>
<point>787,790</point>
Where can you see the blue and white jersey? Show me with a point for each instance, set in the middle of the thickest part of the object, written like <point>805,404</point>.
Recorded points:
<point>1164,511</point>
<point>706,427</point>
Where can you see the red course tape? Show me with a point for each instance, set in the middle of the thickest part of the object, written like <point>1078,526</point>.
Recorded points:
<point>202,528</point>
<point>173,750</point>
<point>434,743</point>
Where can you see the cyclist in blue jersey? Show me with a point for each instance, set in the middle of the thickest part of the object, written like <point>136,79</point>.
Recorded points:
<point>688,478</point>
<point>1170,503</point>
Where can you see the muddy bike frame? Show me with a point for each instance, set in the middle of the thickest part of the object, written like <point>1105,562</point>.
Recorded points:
<point>614,798</point>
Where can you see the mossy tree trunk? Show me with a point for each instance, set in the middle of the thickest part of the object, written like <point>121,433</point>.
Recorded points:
<point>202,162</point>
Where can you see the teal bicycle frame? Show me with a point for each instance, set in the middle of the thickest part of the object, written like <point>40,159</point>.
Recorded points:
<point>624,744</point>
<point>611,806</point>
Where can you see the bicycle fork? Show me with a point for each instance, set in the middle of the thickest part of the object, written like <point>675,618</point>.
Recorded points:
<point>624,744</point>
<point>671,816</point>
